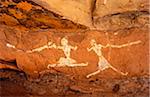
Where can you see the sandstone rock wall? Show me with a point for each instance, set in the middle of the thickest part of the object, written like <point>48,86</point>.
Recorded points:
<point>131,58</point>
<point>113,15</point>
<point>101,14</point>
<point>76,10</point>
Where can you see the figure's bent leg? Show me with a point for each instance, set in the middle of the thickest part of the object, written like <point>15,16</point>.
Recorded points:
<point>79,65</point>
<point>122,73</point>
<point>94,73</point>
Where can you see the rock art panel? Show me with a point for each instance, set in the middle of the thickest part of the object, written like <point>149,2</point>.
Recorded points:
<point>63,61</point>
<point>86,54</point>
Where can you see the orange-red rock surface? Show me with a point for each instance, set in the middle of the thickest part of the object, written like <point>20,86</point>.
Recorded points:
<point>123,43</point>
<point>132,59</point>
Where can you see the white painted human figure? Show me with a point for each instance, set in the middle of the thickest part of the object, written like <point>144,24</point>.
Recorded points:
<point>67,60</point>
<point>103,63</point>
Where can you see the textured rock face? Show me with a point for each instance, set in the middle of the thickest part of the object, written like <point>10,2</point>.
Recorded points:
<point>127,51</point>
<point>114,15</point>
<point>101,14</point>
<point>110,7</point>
<point>76,10</point>
<point>67,59</point>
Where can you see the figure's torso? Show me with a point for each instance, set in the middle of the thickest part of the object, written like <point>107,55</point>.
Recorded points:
<point>66,50</point>
<point>97,50</point>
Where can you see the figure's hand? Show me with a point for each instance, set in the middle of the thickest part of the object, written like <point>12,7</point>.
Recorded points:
<point>50,45</point>
<point>88,49</point>
<point>108,45</point>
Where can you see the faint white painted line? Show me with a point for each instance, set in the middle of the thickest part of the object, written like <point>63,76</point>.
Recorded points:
<point>39,49</point>
<point>10,46</point>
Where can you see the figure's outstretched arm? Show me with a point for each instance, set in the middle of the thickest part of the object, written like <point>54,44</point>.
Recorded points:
<point>49,45</point>
<point>120,46</point>
<point>13,46</point>
<point>52,46</point>
<point>59,47</point>
<point>39,49</point>
<point>10,46</point>
<point>127,44</point>
<point>108,45</point>
<point>74,48</point>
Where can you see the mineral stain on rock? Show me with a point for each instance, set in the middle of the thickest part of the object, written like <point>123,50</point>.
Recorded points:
<point>116,88</point>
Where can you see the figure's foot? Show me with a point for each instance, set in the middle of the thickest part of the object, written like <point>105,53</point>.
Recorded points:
<point>92,74</point>
<point>125,74</point>
<point>120,72</point>
<point>51,65</point>
<point>77,65</point>
<point>85,64</point>
<point>88,76</point>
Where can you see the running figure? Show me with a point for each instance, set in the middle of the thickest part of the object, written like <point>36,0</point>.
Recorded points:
<point>103,63</point>
<point>66,61</point>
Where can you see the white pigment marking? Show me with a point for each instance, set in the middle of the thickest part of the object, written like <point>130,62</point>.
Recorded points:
<point>67,61</point>
<point>103,63</point>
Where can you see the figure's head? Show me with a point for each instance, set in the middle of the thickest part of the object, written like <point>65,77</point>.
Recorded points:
<point>64,41</point>
<point>93,42</point>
